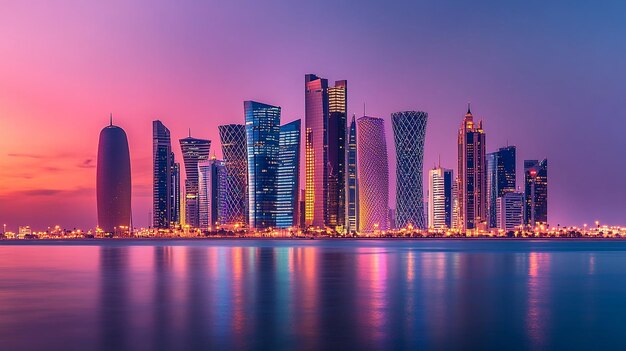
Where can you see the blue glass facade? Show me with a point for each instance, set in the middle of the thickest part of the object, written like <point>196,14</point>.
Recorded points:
<point>500,178</point>
<point>287,205</point>
<point>262,142</point>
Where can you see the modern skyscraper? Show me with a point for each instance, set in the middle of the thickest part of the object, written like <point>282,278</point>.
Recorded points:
<point>288,187</point>
<point>113,181</point>
<point>233,138</point>
<point>325,144</point>
<point>373,174</point>
<point>211,193</point>
<point>536,191</point>
<point>440,203</point>
<point>316,125</point>
<point>353,192</point>
<point>472,177</point>
<point>510,211</point>
<point>500,178</point>
<point>409,131</point>
<point>175,195</point>
<point>262,134</point>
<point>194,150</point>
<point>337,123</point>
<point>162,179</point>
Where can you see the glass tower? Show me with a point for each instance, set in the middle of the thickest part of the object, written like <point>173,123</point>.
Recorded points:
<point>536,192</point>
<point>262,135</point>
<point>409,131</point>
<point>353,193</point>
<point>162,181</point>
<point>211,193</point>
<point>194,150</point>
<point>113,180</point>
<point>287,205</point>
<point>500,179</point>
<point>337,123</point>
<point>316,142</point>
<point>233,139</point>
<point>472,176</point>
<point>373,174</point>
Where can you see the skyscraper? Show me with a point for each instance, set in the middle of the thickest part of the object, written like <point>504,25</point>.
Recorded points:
<point>500,178</point>
<point>288,187</point>
<point>316,158</point>
<point>262,134</point>
<point>536,192</point>
<point>337,123</point>
<point>373,173</point>
<point>211,192</point>
<point>409,131</point>
<point>233,139</point>
<point>194,150</point>
<point>162,179</point>
<point>113,181</point>
<point>472,182</point>
<point>510,211</point>
<point>353,192</point>
<point>175,194</point>
<point>325,144</point>
<point>440,203</point>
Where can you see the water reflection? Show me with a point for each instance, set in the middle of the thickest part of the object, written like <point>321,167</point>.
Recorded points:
<point>313,295</point>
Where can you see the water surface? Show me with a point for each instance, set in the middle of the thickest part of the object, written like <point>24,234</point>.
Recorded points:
<point>312,295</point>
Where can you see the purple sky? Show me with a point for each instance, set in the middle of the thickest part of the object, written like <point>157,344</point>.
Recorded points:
<point>547,78</point>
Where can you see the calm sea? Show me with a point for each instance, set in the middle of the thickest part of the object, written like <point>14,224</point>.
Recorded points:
<point>313,295</point>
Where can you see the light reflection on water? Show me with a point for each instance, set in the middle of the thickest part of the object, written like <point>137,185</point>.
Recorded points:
<point>332,294</point>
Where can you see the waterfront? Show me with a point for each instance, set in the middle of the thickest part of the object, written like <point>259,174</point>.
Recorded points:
<point>312,294</point>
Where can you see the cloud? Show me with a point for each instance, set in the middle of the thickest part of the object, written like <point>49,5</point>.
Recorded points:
<point>49,192</point>
<point>36,156</point>
<point>87,163</point>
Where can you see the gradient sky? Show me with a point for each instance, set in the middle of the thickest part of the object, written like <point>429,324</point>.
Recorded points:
<point>547,77</point>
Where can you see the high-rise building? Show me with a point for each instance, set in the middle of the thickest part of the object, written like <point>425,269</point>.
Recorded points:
<point>233,139</point>
<point>316,157</point>
<point>288,187</point>
<point>536,192</point>
<point>263,135</point>
<point>440,204</point>
<point>472,177</point>
<point>373,173</point>
<point>113,181</point>
<point>337,123</point>
<point>500,178</point>
<point>211,193</point>
<point>352,180</point>
<point>162,178</point>
<point>194,150</point>
<point>325,145</point>
<point>175,194</point>
<point>409,131</point>
<point>510,211</point>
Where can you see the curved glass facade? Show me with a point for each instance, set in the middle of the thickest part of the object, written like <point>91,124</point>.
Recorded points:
<point>373,172</point>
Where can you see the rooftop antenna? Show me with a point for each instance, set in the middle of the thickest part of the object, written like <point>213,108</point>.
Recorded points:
<point>439,166</point>
<point>468,108</point>
<point>363,108</point>
<point>111,119</point>
<point>190,132</point>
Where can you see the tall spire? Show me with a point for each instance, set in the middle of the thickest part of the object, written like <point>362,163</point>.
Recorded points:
<point>469,112</point>
<point>190,132</point>
<point>111,119</point>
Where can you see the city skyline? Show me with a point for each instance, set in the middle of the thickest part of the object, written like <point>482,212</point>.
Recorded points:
<point>528,83</point>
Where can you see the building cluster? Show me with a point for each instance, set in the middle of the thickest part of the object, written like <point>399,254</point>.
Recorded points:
<point>256,186</point>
